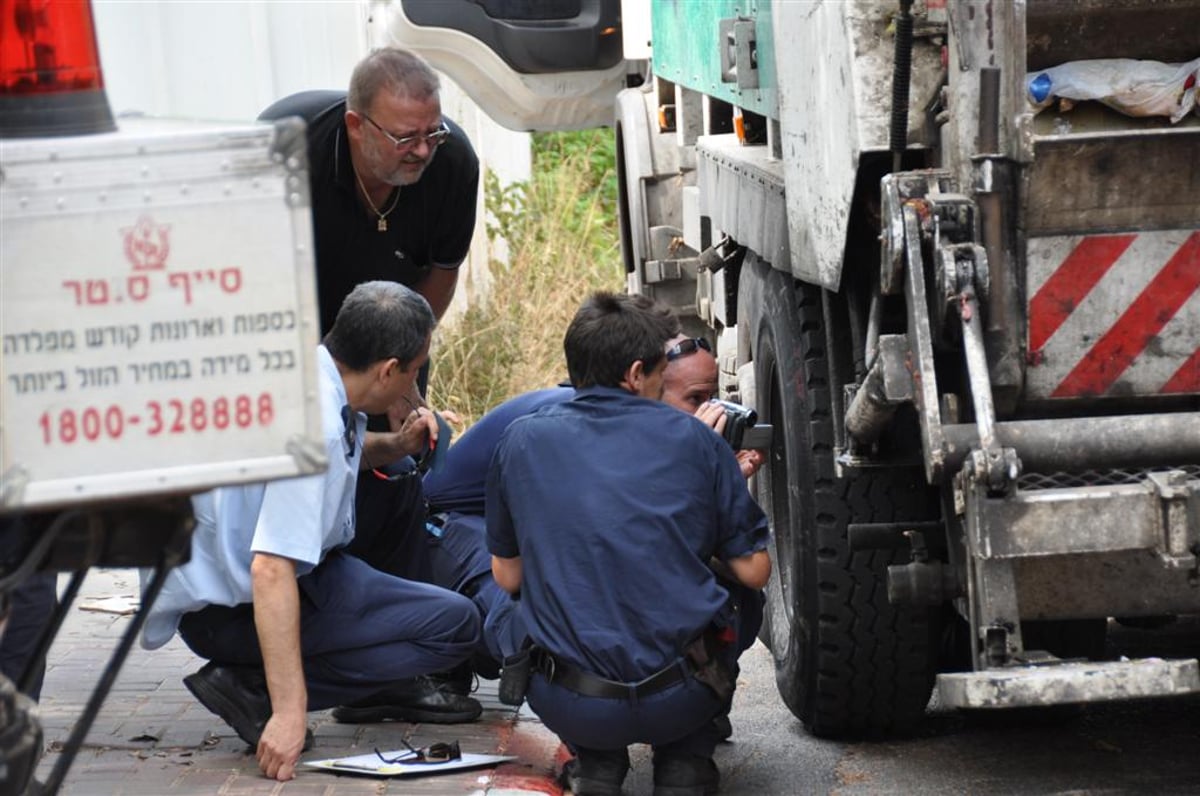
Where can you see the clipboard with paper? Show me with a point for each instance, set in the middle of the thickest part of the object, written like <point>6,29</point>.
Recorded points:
<point>377,765</point>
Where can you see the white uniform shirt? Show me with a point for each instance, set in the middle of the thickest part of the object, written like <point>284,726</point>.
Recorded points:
<point>297,518</point>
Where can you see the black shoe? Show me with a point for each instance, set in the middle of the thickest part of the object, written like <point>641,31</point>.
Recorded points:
<point>459,680</point>
<point>421,700</point>
<point>594,772</point>
<point>238,694</point>
<point>485,666</point>
<point>685,775</point>
<point>723,727</point>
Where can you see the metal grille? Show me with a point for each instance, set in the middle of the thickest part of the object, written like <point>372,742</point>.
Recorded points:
<point>1035,481</point>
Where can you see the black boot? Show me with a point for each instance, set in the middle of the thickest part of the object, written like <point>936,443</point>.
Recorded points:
<point>238,694</point>
<point>459,680</point>
<point>685,775</point>
<point>596,772</point>
<point>722,726</point>
<point>421,700</point>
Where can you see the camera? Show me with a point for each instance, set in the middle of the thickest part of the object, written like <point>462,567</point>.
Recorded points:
<point>739,419</point>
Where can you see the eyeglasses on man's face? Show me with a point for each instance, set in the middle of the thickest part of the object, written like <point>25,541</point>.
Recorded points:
<point>407,142</point>
<point>439,752</point>
<point>688,346</point>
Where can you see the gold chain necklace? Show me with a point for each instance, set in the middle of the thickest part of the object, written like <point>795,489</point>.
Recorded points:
<point>382,225</point>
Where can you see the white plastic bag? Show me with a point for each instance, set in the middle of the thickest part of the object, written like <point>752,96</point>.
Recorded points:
<point>1135,88</point>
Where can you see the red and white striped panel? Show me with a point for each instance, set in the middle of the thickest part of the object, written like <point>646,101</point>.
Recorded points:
<point>1113,314</point>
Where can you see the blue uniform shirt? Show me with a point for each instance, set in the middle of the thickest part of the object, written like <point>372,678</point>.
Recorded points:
<point>615,505</point>
<point>458,484</point>
<point>297,518</point>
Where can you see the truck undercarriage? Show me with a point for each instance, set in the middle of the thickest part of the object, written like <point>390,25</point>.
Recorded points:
<point>969,311</point>
<point>955,454</point>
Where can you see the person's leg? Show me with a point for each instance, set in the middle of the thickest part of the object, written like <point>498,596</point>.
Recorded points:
<point>30,605</point>
<point>684,766</point>
<point>448,551</point>
<point>232,684</point>
<point>360,631</point>
<point>458,560</point>
<point>368,630</point>
<point>389,525</point>
<point>458,551</point>
<point>29,610</point>
<point>597,731</point>
<point>684,774</point>
<point>596,772</point>
<point>670,716</point>
<point>747,607</point>
<point>677,719</point>
<point>504,630</point>
<point>392,535</point>
<point>223,634</point>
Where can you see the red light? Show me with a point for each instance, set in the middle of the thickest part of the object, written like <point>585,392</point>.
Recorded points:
<point>50,77</point>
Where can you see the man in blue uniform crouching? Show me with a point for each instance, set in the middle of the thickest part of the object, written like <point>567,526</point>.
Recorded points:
<point>603,515</point>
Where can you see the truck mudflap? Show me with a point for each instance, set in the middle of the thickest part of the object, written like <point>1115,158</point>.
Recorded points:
<point>1063,683</point>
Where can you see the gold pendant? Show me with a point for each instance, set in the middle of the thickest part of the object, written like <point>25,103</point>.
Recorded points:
<point>382,226</point>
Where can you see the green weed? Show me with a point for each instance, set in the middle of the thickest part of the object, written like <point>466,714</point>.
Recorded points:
<point>564,243</point>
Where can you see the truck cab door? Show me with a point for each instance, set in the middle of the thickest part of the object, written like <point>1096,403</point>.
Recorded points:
<point>530,64</point>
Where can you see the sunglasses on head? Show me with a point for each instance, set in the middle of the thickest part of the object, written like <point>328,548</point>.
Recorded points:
<point>439,752</point>
<point>688,346</point>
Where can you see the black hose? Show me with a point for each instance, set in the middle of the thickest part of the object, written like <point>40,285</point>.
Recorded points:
<point>901,77</point>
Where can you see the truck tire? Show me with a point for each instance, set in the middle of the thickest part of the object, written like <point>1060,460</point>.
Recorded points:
<point>847,662</point>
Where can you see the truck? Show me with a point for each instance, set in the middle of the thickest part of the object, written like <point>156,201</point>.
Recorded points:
<point>159,326</point>
<point>972,320</point>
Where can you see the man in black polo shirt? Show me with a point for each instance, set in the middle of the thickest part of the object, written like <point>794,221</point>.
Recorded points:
<point>394,183</point>
<point>394,187</point>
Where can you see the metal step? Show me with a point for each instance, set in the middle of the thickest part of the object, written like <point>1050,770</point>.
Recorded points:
<point>1068,683</point>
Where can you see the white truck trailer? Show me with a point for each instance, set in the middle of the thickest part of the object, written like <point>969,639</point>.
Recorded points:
<point>974,326</point>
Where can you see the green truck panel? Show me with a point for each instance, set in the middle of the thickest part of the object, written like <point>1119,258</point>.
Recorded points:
<point>688,46</point>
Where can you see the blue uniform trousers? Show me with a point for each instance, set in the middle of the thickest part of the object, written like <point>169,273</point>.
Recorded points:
<point>360,630</point>
<point>676,720</point>
<point>457,549</point>
<point>31,603</point>
<point>392,535</point>
<point>389,524</point>
<point>30,607</point>
<point>457,558</point>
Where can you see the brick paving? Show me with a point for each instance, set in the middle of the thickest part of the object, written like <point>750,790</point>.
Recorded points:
<point>152,738</point>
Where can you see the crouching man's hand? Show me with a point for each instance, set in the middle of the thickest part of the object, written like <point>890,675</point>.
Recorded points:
<point>280,746</point>
<point>750,461</point>
<point>713,416</point>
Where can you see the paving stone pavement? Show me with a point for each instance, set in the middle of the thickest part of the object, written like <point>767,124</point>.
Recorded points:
<point>153,738</point>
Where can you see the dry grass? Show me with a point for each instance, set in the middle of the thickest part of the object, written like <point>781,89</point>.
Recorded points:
<point>563,244</point>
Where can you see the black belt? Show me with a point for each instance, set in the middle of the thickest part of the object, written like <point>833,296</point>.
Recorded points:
<point>560,672</point>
